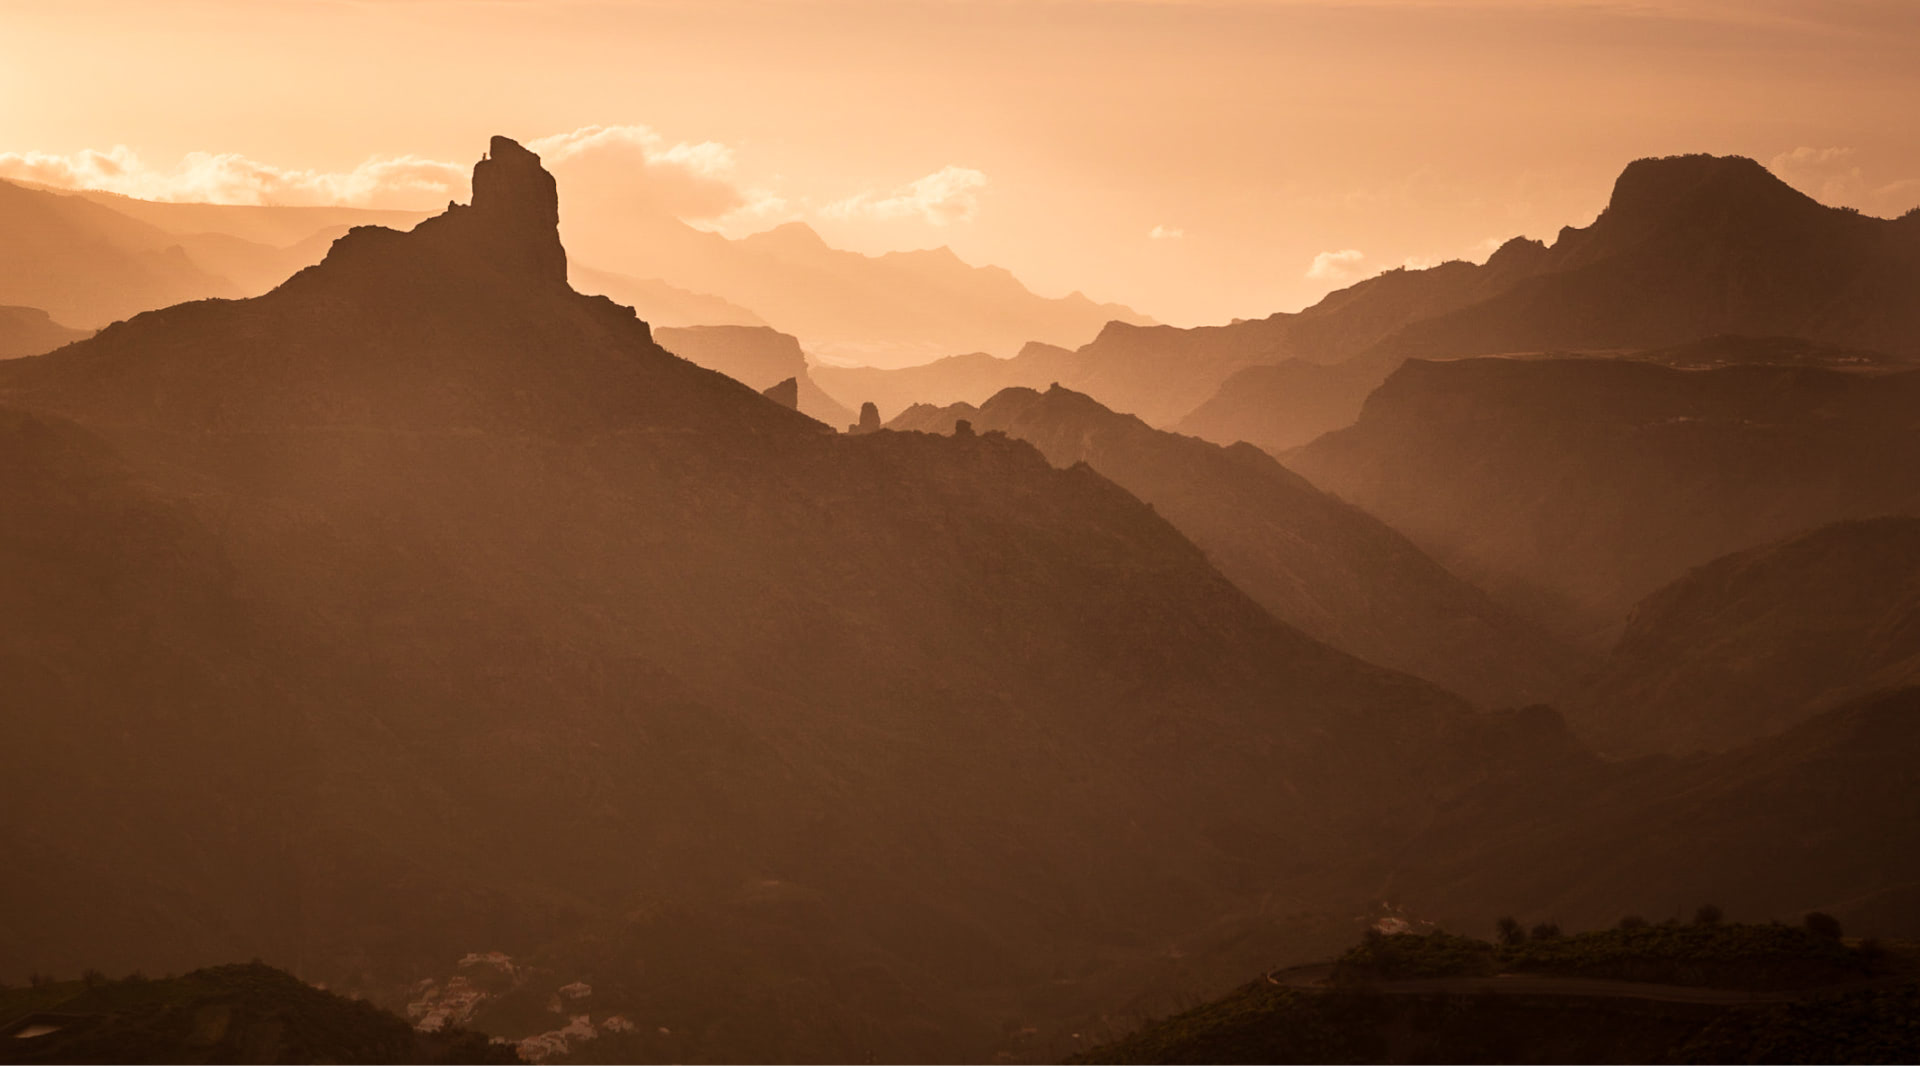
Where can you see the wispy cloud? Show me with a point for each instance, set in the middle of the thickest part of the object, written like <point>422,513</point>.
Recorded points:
<point>1166,233</point>
<point>945,197</point>
<point>1343,265</point>
<point>228,178</point>
<point>1834,176</point>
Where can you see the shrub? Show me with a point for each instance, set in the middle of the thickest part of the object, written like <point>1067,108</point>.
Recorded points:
<point>1511,931</point>
<point>1546,931</point>
<point>1822,924</point>
<point>1633,921</point>
<point>1709,914</point>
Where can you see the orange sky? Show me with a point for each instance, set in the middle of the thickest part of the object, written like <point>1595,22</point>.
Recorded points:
<point>1277,149</point>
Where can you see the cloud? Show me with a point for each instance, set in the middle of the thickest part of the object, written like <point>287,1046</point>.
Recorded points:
<point>615,168</point>
<point>1343,265</point>
<point>622,169</point>
<point>228,178</point>
<point>1166,233</point>
<point>947,196</point>
<point>1834,176</point>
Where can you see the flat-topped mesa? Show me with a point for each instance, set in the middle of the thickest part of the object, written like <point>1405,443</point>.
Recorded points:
<point>517,206</point>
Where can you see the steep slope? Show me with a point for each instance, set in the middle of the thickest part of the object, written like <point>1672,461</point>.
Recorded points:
<point>894,309</point>
<point>1689,247</point>
<point>1317,563</point>
<point>452,614</point>
<point>1577,487</point>
<point>1694,246</point>
<point>1815,818</point>
<point>758,357</point>
<point>86,265</point>
<point>30,331</point>
<point>1754,642</point>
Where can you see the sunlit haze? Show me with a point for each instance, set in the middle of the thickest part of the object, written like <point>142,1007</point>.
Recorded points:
<point>1197,161</point>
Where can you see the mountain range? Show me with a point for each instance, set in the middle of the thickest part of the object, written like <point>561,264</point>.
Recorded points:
<point>1760,640</point>
<point>452,614</point>
<point>1331,569</point>
<point>1576,487</point>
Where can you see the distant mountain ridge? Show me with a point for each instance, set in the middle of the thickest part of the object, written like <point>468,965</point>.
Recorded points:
<point>1579,486</point>
<point>1755,642</point>
<point>1320,564</point>
<point>1688,248</point>
<point>30,331</point>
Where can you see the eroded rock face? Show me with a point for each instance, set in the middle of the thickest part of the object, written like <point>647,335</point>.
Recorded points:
<point>519,205</point>
<point>869,419</point>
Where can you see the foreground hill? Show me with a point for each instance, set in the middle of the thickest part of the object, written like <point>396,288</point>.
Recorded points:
<point>451,614</point>
<point>250,1013</point>
<point>759,358</point>
<point>1577,487</point>
<point>30,331</point>
<point>1754,642</point>
<point>1667,993</point>
<point>1317,563</point>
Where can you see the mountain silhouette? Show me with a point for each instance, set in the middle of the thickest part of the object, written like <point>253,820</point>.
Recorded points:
<point>449,613</point>
<point>660,304</point>
<point>894,309</point>
<point>1325,566</point>
<point>30,331</point>
<point>1755,642</point>
<point>1577,487</point>
<point>1688,248</point>
<point>758,357</point>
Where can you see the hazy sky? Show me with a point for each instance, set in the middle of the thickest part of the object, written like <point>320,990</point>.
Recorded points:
<point>1199,160</point>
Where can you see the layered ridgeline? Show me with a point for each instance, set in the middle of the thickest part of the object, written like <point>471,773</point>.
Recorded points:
<point>758,357</point>
<point>1688,247</point>
<point>894,309</point>
<point>1759,640</point>
<point>1578,487</point>
<point>424,607</point>
<point>31,331</point>
<point>90,258</point>
<point>1317,563</point>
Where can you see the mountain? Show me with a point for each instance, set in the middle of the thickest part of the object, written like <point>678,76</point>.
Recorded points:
<point>1317,563</point>
<point>1577,487</point>
<point>1757,641</point>
<point>660,304</point>
<point>1282,406</point>
<point>1805,820</point>
<point>972,378</point>
<point>1688,248</point>
<point>30,331</point>
<point>1695,246</point>
<point>86,265</point>
<point>91,258</point>
<point>758,357</point>
<point>892,309</point>
<point>424,607</point>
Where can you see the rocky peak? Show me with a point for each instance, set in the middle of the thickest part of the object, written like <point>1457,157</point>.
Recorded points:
<point>516,206</point>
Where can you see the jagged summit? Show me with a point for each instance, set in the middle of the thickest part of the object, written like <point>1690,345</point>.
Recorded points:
<point>512,226</point>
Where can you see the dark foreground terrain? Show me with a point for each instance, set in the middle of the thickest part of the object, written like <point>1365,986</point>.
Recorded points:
<point>244,1013</point>
<point>1703,992</point>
